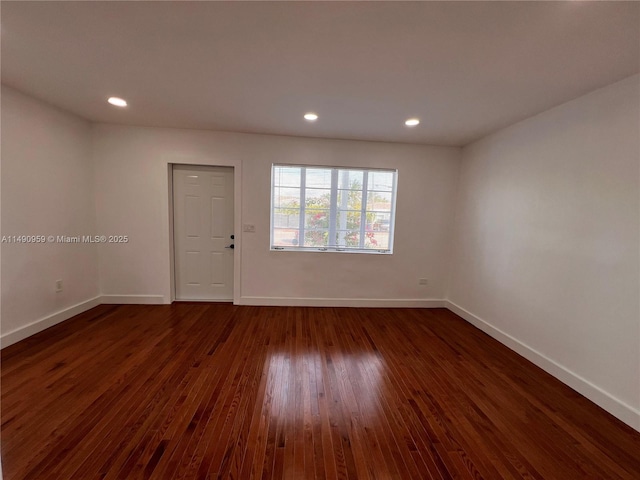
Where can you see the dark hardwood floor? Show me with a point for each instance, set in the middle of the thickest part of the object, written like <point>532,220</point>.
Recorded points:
<point>195,391</point>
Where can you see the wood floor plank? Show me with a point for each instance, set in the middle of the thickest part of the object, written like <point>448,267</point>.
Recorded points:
<point>203,391</point>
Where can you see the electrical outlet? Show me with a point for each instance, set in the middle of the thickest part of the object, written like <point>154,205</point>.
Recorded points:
<point>249,227</point>
<point>423,281</point>
<point>58,286</point>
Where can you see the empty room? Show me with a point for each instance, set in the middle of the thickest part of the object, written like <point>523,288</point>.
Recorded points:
<point>320,240</point>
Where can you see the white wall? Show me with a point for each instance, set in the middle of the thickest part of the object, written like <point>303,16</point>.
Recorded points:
<point>132,199</point>
<point>47,189</point>
<point>546,255</point>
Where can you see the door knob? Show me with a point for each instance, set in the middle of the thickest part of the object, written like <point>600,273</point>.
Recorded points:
<point>232,246</point>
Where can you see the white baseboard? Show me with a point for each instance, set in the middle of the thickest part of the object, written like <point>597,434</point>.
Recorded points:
<point>133,300</point>
<point>214,300</point>
<point>342,302</point>
<point>46,322</point>
<point>611,404</point>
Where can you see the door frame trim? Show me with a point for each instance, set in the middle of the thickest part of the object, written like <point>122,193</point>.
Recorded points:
<point>237,220</point>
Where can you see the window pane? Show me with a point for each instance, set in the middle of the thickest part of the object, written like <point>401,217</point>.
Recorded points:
<point>286,197</point>
<point>316,238</point>
<point>376,240</point>
<point>377,231</point>
<point>319,177</point>
<point>378,222</point>
<point>348,238</point>
<point>286,176</point>
<point>348,219</point>
<point>286,218</point>
<point>350,179</point>
<point>316,198</point>
<point>379,201</point>
<point>379,180</point>
<point>316,219</point>
<point>349,199</point>
<point>285,237</point>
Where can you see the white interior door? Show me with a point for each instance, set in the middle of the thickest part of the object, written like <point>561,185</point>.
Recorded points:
<point>203,231</point>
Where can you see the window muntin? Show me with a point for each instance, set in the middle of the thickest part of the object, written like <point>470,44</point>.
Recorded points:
<point>332,209</point>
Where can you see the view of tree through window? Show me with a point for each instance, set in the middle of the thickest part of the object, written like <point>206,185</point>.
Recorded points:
<point>332,208</point>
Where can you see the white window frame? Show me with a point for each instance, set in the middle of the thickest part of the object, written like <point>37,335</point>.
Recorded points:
<point>334,209</point>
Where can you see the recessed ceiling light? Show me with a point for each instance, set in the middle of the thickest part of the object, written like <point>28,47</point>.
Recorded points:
<point>118,102</point>
<point>311,117</point>
<point>412,122</point>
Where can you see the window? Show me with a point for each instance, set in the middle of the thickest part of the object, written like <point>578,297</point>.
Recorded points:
<point>332,209</point>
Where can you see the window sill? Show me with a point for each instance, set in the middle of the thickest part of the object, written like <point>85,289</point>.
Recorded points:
<point>330,250</point>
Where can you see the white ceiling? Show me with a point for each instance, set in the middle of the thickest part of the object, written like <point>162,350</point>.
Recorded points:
<point>464,68</point>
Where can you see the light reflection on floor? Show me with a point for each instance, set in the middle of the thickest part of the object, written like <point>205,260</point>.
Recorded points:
<point>300,385</point>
